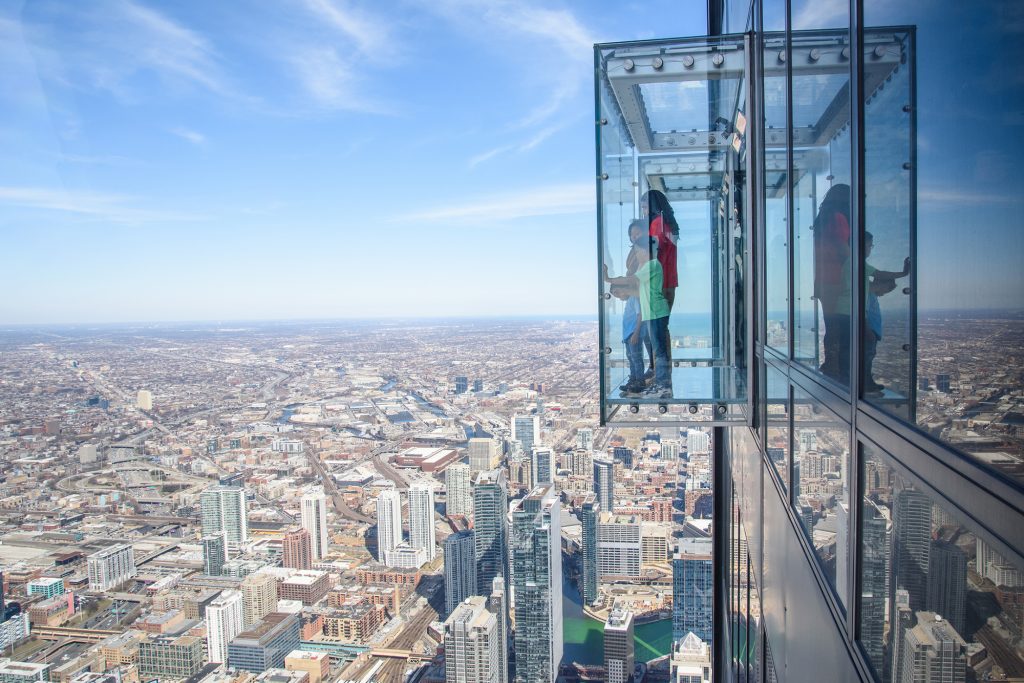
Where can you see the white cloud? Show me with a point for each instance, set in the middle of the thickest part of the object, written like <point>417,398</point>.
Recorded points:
<point>111,207</point>
<point>195,137</point>
<point>951,195</point>
<point>369,34</point>
<point>556,200</point>
<point>525,146</point>
<point>331,82</point>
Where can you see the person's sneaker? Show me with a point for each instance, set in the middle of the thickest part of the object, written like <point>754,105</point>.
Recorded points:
<point>629,389</point>
<point>649,375</point>
<point>656,391</point>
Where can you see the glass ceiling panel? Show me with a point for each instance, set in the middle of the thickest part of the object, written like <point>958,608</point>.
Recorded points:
<point>812,95</point>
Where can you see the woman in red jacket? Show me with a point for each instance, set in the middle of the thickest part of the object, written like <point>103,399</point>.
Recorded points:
<point>661,219</point>
<point>831,279</point>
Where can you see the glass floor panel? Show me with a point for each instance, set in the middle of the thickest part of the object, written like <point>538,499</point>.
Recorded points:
<point>689,385</point>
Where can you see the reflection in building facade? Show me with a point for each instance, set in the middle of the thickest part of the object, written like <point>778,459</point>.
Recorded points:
<point>847,319</point>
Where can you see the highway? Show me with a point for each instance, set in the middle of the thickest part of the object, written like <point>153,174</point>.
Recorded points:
<point>331,489</point>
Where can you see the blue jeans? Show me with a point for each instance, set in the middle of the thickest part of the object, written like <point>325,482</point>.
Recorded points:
<point>658,331</point>
<point>635,355</point>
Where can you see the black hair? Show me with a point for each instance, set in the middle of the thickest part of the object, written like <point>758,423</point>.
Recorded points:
<point>657,204</point>
<point>837,200</point>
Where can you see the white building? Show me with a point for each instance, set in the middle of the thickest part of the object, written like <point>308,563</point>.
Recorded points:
<point>223,509</point>
<point>619,545</point>
<point>691,661</point>
<point>472,644</point>
<point>459,494</point>
<point>225,618</point>
<point>404,556</point>
<point>111,567</point>
<point>619,655</point>
<point>389,524</point>
<point>144,399</point>
<point>314,520</point>
<point>483,454</point>
<point>697,442</point>
<point>422,534</point>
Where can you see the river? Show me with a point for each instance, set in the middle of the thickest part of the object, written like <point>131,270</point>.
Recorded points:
<point>584,637</point>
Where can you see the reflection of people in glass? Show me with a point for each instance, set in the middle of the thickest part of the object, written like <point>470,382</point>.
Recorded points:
<point>634,335</point>
<point>878,283</point>
<point>654,310</point>
<point>831,288</point>
<point>663,227</point>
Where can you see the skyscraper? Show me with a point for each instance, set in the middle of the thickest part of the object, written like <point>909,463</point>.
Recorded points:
<point>543,459</point>
<point>297,550</point>
<point>422,534</point>
<point>497,604</point>
<point>490,509</point>
<point>933,652</point>
<point>225,618</point>
<point>314,520</point>
<point>618,647</point>
<point>619,545</point>
<point>590,513</point>
<point>458,492</point>
<point>389,524</point>
<point>223,509</point>
<point>483,454</point>
<point>874,589</point>
<point>912,519</point>
<point>461,384</point>
<point>947,583</point>
<point>526,430</point>
<point>110,567</point>
<point>585,438</point>
<point>537,586</point>
<point>459,569</point>
<point>692,589</point>
<point>215,554</point>
<point>259,597</point>
<point>472,643</point>
<point>604,483</point>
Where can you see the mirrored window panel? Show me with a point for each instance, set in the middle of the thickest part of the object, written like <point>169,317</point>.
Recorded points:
<point>938,601</point>
<point>777,424</point>
<point>776,188</point>
<point>821,494</point>
<point>952,201</point>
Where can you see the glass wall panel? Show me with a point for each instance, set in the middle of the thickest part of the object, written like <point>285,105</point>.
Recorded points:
<point>967,207</point>
<point>821,495</point>
<point>822,274</point>
<point>888,343</point>
<point>777,424</point>
<point>776,187</point>
<point>938,600</point>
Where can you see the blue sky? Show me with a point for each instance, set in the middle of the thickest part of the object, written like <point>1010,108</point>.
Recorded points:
<point>303,158</point>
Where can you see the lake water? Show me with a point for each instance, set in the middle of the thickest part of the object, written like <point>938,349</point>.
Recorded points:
<point>584,637</point>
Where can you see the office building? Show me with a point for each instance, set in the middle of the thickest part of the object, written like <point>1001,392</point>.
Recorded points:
<point>316,664</point>
<point>697,442</point>
<point>23,672</point>
<point>14,630</point>
<point>458,491</point>
<point>308,587</point>
<point>497,604</point>
<point>225,619</point>
<point>947,583</point>
<point>691,661</point>
<point>215,554</point>
<point>88,454</point>
<point>461,384</point>
<point>266,644</point>
<point>389,524</point>
<point>693,589</point>
<point>590,514</point>
<point>459,569</point>
<point>223,510</point>
<point>167,657</point>
<point>490,510</point>
<point>581,463</point>
<point>404,556</point>
<point>259,597</point>
<point>144,400</point>
<point>46,587</point>
<point>314,520</point>
<point>526,430</point>
<point>618,647</point>
<point>110,567</point>
<point>543,465</point>
<point>297,550</point>
<point>484,454</point>
<point>604,483</point>
<point>808,138</point>
<point>933,652</point>
<point>472,643</point>
<point>537,586</point>
<point>422,531</point>
<point>585,438</point>
<point>619,546</point>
